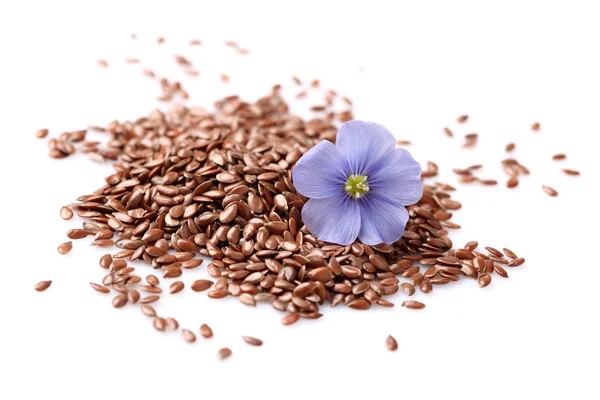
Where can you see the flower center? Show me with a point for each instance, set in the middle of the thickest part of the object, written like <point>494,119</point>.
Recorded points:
<point>356,186</point>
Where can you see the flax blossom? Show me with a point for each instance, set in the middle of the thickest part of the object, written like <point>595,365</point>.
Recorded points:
<point>358,187</point>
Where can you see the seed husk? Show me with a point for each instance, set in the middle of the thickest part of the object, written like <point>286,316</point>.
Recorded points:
<point>43,285</point>
<point>224,353</point>
<point>252,341</point>
<point>65,248</point>
<point>391,343</point>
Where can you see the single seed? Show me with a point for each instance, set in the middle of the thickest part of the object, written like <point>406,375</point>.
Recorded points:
<point>148,310</point>
<point>416,305</point>
<point>99,288</point>
<point>43,285</point>
<point>571,172</point>
<point>205,331</point>
<point>535,126</point>
<point>391,343</point>
<point>484,280</point>
<point>224,353</point>
<point>119,301</point>
<point>66,213</point>
<point>201,285</point>
<point>462,118</point>
<point>65,248</point>
<point>176,287</point>
<point>550,191</point>
<point>559,156</point>
<point>188,335</point>
<point>252,341</point>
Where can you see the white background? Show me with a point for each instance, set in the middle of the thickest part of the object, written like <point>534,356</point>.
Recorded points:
<point>413,67</point>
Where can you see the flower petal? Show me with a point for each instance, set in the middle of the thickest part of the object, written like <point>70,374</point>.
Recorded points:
<point>382,220</point>
<point>335,219</point>
<point>362,144</point>
<point>398,176</point>
<point>320,172</point>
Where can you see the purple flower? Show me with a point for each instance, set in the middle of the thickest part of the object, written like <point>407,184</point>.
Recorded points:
<point>358,187</point>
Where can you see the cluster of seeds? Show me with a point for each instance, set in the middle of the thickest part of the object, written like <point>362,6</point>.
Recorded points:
<point>219,184</point>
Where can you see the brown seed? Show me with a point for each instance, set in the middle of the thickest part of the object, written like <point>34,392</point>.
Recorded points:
<point>550,191</point>
<point>160,324</point>
<point>408,288</point>
<point>65,248</point>
<point>152,280</point>
<point>201,285</point>
<point>512,182</point>
<point>43,285</point>
<point>148,310</point>
<point>252,341</point>
<point>391,343</point>
<point>559,156</point>
<point>462,118</point>
<point>99,288</point>
<point>119,301</point>
<point>172,324</point>
<point>290,318</point>
<point>571,172</point>
<point>224,353</point>
<point>176,287</point>
<point>149,299</point>
<point>448,132</point>
<point>509,253</point>
<point>535,126</point>
<point>188,335</point>
<point>66,213</point>
<point>76,234</point>
<point>413,304</point>
<point>205,331</point>
<point>484,280</point>
<point>359,304</point>
<point>510,147</point>
<point>42,133</point>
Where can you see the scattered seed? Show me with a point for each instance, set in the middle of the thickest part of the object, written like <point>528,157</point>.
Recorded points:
<point>188,335</point>
<point>463,118</point>
<point>43,285</point>
<point>148,310</point>
<point>66,213</point>
<point>224,353</point>
<point>42,133</point>
<point>201,285</point>
<point>99,288</point>
<point>550,191</point>
<point>176,287</point>
<point>535,126</point>
<point>558,157</point>
<point>416,305</point>
<point>65,248</point>
<point>510,147</point>
<point>252,341</point>
<point>391,343</point>
<point>571,172</point>
<point>205,331</point>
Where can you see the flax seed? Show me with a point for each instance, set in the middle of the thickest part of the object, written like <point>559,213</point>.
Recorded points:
<point>391,343</point>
